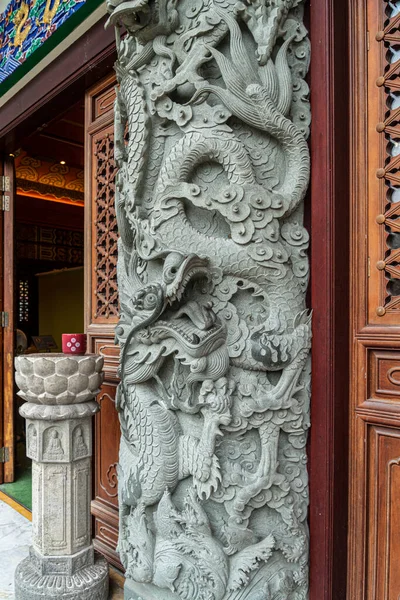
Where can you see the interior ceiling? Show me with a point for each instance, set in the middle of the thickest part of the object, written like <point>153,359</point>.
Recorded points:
<point>61,139</point>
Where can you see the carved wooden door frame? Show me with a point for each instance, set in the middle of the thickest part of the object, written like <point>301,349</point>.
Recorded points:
<point>375,315</point>
<point>92,57</point>
<point>101,303</point>
<point>8,322</point>
<point>2,412</point>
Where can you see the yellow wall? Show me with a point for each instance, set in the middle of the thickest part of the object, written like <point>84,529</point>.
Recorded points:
<point>61,303</point>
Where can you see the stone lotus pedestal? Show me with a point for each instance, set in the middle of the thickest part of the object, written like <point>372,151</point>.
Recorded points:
<point>60,392</point>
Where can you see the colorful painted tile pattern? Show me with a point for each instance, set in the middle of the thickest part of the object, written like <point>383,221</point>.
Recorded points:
<point>27,24</point>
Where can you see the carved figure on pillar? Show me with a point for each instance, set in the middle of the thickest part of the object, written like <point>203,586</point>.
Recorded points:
<point>211,123</point>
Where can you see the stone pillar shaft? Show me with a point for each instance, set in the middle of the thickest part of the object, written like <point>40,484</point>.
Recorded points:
<point>211,124</point>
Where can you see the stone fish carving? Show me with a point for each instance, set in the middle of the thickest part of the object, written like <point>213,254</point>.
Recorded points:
<point>211,122</point>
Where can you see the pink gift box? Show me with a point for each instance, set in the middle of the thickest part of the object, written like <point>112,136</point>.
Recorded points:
<point>73,343</point>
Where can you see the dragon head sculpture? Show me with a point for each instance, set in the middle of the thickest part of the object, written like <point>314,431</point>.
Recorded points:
<point>143,19</point>
<point>161,323</point>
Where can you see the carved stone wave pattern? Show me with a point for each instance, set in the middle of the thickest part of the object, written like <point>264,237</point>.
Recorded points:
<point>389,265</point>
<point>212,274</point>
<point>106,230</point>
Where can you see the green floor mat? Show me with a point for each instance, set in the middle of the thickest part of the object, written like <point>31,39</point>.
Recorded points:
<point>21,489</point>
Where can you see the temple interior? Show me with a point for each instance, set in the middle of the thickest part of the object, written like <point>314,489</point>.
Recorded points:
<point>48,261</point>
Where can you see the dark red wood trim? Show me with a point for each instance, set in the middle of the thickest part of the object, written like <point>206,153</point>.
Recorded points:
<point>87,60</point>
<point>329,299</point>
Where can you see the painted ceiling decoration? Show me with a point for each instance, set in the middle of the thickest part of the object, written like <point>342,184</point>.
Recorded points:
<point>49,180</point>
<point>26,24</point>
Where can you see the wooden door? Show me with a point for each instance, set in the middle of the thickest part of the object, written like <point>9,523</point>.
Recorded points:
<point>7,325</point>
<point>102,304</point>
<point>2,412</point>
<point>374,517</point>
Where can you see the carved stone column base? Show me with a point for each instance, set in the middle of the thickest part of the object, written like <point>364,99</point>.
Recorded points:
<point>139,591</point>
<point>60,393</point>
<point>89,583</point>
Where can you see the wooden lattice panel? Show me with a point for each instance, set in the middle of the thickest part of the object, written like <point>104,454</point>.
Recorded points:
<point>102,306</point>
<point>374,477</point>
<point>389,38</point>
<point>385,58</point>
<point>105,238</point>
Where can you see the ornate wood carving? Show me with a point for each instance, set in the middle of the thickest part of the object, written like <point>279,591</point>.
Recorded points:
<point>104,103</point>
<point>374,514</point>
<point>384,380</point>
<point>110,352</point>
<point>107,435</point>
<point>102,306</point>
<point>388,171</point>
<point>105,301</point>
<point>384,162</point>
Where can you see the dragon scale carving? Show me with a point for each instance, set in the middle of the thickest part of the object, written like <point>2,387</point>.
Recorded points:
<point>211,127</point>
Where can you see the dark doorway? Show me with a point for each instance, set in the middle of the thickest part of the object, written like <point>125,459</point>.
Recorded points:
<point>49,253</point>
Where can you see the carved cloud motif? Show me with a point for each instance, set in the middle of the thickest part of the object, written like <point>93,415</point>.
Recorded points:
<point>211,122</point>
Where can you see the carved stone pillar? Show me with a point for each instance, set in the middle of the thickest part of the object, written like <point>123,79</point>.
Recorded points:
<point>211,122</point>
<point>60,392</point>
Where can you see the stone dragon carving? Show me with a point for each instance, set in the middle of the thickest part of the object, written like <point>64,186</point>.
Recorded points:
<point>211,122</point>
